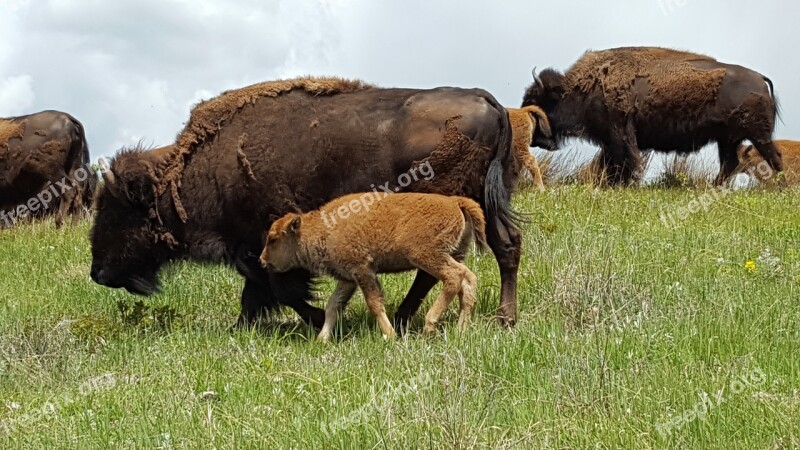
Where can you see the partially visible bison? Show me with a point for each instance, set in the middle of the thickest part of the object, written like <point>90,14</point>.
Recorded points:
<point>530,127</point>
<point>751,162</point>
<point>44,168</point>
<point>251,155</point>
<point>639,98</point>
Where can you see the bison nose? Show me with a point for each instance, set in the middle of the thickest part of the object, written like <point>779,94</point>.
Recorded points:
<point>97,274</point>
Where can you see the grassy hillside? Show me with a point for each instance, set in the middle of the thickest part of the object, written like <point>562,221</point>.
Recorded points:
<point>634,332</point>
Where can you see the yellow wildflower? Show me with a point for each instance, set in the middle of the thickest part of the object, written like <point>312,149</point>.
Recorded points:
<point>750,265</point>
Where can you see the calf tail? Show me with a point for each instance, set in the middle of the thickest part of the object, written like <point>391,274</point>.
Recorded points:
<point>474,215</point>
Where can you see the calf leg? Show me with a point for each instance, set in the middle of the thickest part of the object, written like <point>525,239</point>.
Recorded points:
<point>341,295</point>
<point>452,274</point>
<point>423,283</point>
<point>466,298</point>
<point>529,161</point>
<point>505,241</point>
<point>368,282</point>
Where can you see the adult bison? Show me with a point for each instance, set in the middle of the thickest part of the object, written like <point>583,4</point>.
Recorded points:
<point>641,98</point>
<point>251,155</point>
<point>44,167</point>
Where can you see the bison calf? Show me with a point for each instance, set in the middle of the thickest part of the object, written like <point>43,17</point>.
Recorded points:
<point>358,236</point>
<point>525,123</point>
<point>752,163</point>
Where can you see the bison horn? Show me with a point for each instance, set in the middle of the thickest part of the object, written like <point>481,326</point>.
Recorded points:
<point>109,177</point>
<point>536,78</point>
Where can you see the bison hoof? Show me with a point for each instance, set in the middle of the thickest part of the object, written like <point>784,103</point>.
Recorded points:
<point>506,322</point>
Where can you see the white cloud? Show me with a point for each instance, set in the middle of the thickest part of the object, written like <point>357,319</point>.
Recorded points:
<point>16,95</point>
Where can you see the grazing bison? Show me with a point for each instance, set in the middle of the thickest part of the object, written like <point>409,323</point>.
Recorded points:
<point>251,155</point>
<point>641,98</point>
<point>529,128</point>
<point>44,167</point>
<point>382,234</point>
<point>751,162</point>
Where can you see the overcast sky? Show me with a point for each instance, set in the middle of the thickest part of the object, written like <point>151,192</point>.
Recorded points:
<point>131,69</point>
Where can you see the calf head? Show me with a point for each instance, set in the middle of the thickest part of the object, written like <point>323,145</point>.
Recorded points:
<point>282,244</point>
<point>542,133</point>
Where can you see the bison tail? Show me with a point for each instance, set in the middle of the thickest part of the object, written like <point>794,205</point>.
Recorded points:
<point>777,105</point>
<point>500,177</point>
<point>474,216</point>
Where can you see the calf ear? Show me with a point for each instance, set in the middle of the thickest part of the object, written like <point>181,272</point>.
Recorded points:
<point>294,227</point>
<point>542,122</point>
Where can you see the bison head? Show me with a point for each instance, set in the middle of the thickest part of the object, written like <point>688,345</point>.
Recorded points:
<point>129,242</point>
<point>546,91</point>
<point>282,242</point>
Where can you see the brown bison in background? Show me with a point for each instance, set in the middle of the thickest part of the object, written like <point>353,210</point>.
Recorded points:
<point>44,168</point>
<point>251,155</point>
<point>640,98</point>
<point>751,162</point>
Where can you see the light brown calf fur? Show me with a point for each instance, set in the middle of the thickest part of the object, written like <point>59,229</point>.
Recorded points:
<point>524,123</point>
<point>751,162</point>
<point>355,237</point>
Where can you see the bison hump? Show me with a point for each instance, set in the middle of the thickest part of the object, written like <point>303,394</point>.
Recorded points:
<point>686,79</point>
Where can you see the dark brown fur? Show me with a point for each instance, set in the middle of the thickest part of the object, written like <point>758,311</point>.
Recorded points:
<point>640,98</point>
<point>249,156</point>
<point>38,151</point>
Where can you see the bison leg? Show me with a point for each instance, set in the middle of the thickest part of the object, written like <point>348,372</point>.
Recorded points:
<point>728,161</point>
<point>264,292</point>
<point>253,304</point>
<point>505,241</point>
<point>423,283</point>
<point>294,289</point>
<point>621,156</point>
<point>64,206</point>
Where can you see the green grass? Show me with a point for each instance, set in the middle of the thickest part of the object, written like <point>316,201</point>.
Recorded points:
<point>624,324</point>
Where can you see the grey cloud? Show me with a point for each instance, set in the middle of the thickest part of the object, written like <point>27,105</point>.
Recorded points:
<point>130,69</point>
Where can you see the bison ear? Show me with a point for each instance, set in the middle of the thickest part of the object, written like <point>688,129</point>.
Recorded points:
<point>135,184</point>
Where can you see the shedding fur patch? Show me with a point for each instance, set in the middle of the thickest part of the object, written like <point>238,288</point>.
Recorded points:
<point>454,162</point>
<point>674,76</point>
<point>10,129</point>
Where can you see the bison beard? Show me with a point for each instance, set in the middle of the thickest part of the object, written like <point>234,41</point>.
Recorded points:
<point>251,155</point>
<point>630,99</point>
